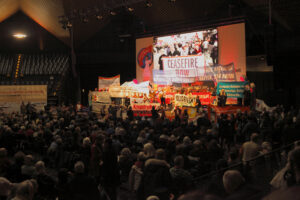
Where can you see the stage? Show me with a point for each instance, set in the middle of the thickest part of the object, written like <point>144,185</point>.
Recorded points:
<point>230,109</point>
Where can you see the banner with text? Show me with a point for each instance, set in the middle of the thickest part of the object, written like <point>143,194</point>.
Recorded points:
<point>105,82</point>
<point>101,97</point>
<point>12,96</point>
<point>185,100</point>
<point>174,74</point>
<point>232,89</point>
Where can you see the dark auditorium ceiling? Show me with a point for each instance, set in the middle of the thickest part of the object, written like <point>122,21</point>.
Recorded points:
<point>162,14</point>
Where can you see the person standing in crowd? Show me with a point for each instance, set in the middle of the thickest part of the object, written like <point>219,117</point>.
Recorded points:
<point>252,96</point>
<point>130,113</point>
<point>222,98</point>
<point>251,148</point>
<point>162,99</point>
<point>82,186</point>
<point>198,104</point>
<point>110,169</point>
<point>157,179</point>
<point>23,108</point>
<point>247,96</point>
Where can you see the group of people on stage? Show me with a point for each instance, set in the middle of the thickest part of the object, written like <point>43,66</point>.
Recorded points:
<point>249,97</point>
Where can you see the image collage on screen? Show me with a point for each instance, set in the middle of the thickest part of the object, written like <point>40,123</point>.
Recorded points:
<point>181,58</point>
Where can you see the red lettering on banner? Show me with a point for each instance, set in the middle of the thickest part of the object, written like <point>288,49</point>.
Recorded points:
<point>192,63</point>
<point>196,66</point>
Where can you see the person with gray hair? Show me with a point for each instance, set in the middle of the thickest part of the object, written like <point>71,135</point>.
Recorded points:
<point>82,185</point>
<point>235,185</point>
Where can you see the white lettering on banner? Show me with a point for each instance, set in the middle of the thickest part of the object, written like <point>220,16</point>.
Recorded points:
<point>184,66</point>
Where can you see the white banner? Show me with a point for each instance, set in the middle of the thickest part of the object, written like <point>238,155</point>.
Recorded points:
<point>185,100</point>
<point>12,96</point>
<point>261,105</point>
<point>184,66</point>
<point>105,82</point>
<point>101,97</point>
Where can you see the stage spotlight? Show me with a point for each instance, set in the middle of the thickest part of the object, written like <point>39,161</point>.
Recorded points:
<point>20,35</point>
<point>149,4</point>
<point>113,13</point>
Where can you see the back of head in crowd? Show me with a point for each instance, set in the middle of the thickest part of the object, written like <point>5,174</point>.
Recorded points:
<point>179,161</point>
<point>254,137</point>
<point>160,154</point>
<point>232,181</point>
<point>197,195</point>
<point>79,167</point>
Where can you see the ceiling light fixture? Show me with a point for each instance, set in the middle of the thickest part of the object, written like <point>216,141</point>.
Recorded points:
<point>20,35</point>
<point>149,4</point>
<point>113,13</point>
<point>130,9</point>
<point>99,17</point>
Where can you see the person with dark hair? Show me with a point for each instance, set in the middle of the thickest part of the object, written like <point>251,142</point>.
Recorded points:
<point>82,186</point>
<point>198,104</point>
<point>157,179</point>
<point>110,170</point>
<point>97,157</point>
<point>45,182</point>
<point>222,98</point>
<point>181,178</point>
<point>130,113</point>
<point>247,96</point>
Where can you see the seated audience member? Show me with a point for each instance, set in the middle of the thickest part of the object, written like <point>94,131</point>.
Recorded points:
<point>82,186</point>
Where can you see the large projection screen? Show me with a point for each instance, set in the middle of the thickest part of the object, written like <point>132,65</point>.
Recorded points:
<point>217,54</point>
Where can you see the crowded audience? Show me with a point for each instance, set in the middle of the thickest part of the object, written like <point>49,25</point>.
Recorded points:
<point>64,153</point>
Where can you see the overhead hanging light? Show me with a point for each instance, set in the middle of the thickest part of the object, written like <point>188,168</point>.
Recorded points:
<point>113,13</point>
<point>148,4</point>
<point>99,17</point>
<point>20,35</point>
<point>130,9</point>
